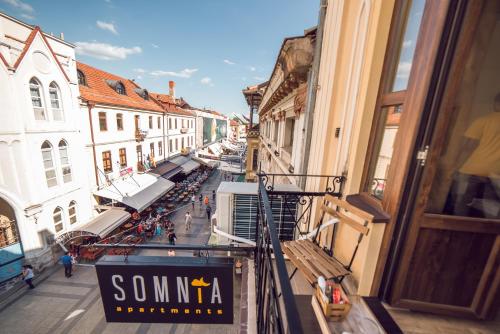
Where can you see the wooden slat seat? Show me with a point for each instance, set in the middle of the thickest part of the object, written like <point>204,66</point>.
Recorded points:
<point>308,257</point>
<point>312,261</point>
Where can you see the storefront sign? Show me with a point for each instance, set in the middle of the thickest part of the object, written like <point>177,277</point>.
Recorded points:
<point>166,289</point>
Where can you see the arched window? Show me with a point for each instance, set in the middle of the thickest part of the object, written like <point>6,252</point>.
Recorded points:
<point>37,100</point>
<point>55,101</point>
<point>72,212</point>
<point>120,88</point>
<point>65,164</point>
<point>48,164</point>
<point>81,78</point>
<point>58,219</point>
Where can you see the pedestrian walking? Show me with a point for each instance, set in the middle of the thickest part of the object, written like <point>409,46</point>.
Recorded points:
<point>200,198</point>
<point>206,200</point>
<point>28,275</point>
<point>189,220</point>
<point>140,230</point>
<point>213,195</point>
<point>158,229</point>
<point>193,200</point>
<point>171,237</point>
<point>67,262</point>
<point>209,212</point>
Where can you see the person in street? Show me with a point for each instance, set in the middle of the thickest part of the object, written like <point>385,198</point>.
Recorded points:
<point>67,262</point>
<point>171,237</point>
<point>140,230</point>
<point>189,220</point>
<point>28,275</point>
<point>206,200</point>
<point>158,229</point>
<point>200,198</point>
<point>209,212</point>
<point>213,195</point>
<point>193,200</point>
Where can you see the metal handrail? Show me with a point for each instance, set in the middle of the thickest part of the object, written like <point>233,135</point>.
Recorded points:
<point>277,310</point>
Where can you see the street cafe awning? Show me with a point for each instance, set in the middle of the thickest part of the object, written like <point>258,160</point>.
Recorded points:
<point>106,222</point>
<point>99,226</point>
<point>138,191</point>
<point>166,170</point>
<point>189,166</point>
<point>207,162</point>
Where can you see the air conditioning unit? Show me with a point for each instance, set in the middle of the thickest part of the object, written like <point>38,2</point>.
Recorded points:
<point>237,208</point>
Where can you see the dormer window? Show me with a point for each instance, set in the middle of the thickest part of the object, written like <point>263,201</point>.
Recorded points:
<point>81,78</point>
<point>142,93</point>
<point>117,86</point>
<point>120,89</point>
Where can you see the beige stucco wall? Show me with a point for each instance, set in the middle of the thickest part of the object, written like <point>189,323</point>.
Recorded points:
<point>354,44</point>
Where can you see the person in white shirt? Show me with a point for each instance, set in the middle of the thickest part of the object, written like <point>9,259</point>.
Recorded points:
<point>189,220</point>
<point>28,275</point>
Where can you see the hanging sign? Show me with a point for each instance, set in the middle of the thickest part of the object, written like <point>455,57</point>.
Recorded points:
<point>154,289</point>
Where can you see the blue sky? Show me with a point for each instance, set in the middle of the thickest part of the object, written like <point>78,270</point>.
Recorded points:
<point>211,48</point>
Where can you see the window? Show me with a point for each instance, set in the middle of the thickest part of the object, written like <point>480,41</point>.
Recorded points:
<point>106,162</point>
<point>48,164</point>
<point>170,123</point>
<point>58,219</point>
<point>36,99</point>
<point>182,143</point>
<point>137,122</point>
<point>65,165</point>
<point>275,134</point>
<point>160,149</point>
<point>150,122</point>
<point>55,102</point>
<point>255,159</point>
<point>397,66</point>
<point>176,144</point>
<point>120,88</point>
<point>123,157</point>
<point>138,150</point>
<point>103,125</point>
<point>289,133</point>
<point>81,78</point>
<point>171,145</point>
<point>152,149</point>
<point>176,123</point>
<point>72,213</point>
<point>182,123</point>
<point>159,122</point>
<point>119,121</point>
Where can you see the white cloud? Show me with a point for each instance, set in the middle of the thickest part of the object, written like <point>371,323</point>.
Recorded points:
<point>155,46</point>
<point>252,68</point>
<point>107,26</point>
<point>27,16</point>
<point>207,81</point>
<point>139,77</point>
<point>407,44</point>
<point>185,73</point>
<point>20,5</point>
<point>403,71</point>
<point>259,78</point>
<point>227,61</point>
<point>105,51</point>
<point>139,70</point>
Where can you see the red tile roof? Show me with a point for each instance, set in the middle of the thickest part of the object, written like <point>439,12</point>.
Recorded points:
<point>98,90</point>
<point>169,104</point>
<point>27,45</point>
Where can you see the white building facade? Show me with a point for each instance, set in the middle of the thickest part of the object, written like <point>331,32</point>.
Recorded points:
<point>43,187</point>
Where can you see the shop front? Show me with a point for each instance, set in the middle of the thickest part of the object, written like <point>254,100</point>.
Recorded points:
<point>11,250</point>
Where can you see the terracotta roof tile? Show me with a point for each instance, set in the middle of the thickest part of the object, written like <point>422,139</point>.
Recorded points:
<point>169,104</point>
<point>98,90</point>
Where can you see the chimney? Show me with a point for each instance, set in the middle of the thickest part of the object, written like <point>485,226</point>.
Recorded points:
<point>171,89</point>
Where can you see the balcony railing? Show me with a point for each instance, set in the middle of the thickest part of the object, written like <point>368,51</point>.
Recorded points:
<point>276,308</point>
<point>140,135</point>
<point>184,130</point>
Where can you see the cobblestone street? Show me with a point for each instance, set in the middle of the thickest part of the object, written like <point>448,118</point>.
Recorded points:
<point>61,305</point>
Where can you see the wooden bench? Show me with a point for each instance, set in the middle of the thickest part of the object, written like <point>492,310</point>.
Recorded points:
<point>308,257</point>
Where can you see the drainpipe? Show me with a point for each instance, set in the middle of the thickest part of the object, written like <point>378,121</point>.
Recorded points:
<point>312,88</point>
<point>90,106</point>
<point>163,122</point>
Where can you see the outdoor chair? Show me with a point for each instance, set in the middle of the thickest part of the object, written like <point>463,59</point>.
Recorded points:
<point>307,255</point>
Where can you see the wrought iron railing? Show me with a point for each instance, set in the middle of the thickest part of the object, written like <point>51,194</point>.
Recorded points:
<point>276,308</point>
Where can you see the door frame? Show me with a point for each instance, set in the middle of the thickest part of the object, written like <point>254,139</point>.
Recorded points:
<point>461,20</point>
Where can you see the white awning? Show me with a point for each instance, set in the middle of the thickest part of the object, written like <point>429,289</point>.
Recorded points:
<point>189,166</point>
<point>138,191</point>
<point>207,162</point>
<point>105,223</point>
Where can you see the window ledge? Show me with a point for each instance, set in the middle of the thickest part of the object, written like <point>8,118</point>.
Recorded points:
<point>370,205</point>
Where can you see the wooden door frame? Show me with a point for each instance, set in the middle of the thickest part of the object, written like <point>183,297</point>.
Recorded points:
<point>454,59</point>
<point>421,75</point>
